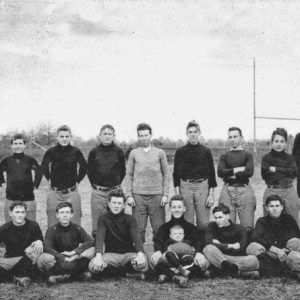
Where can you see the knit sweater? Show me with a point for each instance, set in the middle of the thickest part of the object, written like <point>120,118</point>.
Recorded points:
<point>60,238</point>
<point>233,159</point>
<point>147,172</point>
<point>18,168</point>
<point>106,165</point>
<point>234,233</point>
<point>275,231</point>
<point>194,162</point>
<point>286,169</point>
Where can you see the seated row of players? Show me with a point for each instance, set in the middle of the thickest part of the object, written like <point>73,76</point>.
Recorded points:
<point>147,177</point>
<point>181,249</point>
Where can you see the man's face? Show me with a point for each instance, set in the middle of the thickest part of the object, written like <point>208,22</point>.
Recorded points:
<point>177,209</point>
<point>64,138</point>
<point>107,136</point>
<point>144,138</point>
<point>234,138</point>
<point>278,143</point>
<point>221,219</point>
<point>193,134</point>
<point>18,146</point>
<point>64,216</point>
<point>177,234</point>
<point>18,215</point>
<point>116,205</point>
<point>274,209</point>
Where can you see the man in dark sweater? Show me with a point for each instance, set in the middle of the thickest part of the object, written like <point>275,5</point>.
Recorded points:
<point>276,239</point>
<point>24,244</point>
<point>117,231</point>
<point>191,234</point>
<point>19,182</point>
<point>278,169</point>
<point>226,245</point>
<point>236,167</point>
<point>106,171</point>
<point>60,167</point>
<point>68,248</point>
<point>194,177</point>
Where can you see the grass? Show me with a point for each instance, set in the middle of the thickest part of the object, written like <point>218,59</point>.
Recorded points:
<point>124,288</point>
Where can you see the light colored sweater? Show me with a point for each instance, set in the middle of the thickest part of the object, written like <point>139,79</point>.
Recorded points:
<point>147,172</point>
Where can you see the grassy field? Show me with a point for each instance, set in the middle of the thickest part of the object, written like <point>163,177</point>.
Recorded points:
<point>124,288</point>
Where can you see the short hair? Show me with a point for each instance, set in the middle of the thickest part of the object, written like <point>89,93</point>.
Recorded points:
<point>221,208</point>
<point>118,193</point>
<point>63,128</point>
<point>274,198</point>
<point>176,197</point>
<point>176,227</point>
<point>143,126</point>
<point>236,128</point>
<point>64,204</point>
<point>18,136</point>
<point>192,123</point>
<point>107,126</point>
<point>279,131</point>
<point>18,203</point>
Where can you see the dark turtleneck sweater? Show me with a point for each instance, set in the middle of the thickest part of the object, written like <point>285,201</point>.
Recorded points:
<point>106,165</point>
<point>60,238</point>
<point>191,234</point>
<point>18,168</point>
<point>231,234</point>
<point>60,164</point>
<point>119,234</point>
<point>194,162</point>
<point>286,169</point>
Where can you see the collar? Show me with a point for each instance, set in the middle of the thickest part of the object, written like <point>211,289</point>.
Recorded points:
<point>107,147</point>
<point>116,216</point>
<point>18,155</point>
<point>278,154</point>
<point>63,148</point>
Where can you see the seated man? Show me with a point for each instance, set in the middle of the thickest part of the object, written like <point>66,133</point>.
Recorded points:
<point>24,244</point>
<point>276,240</point>
<point>65,257</point>
<point>226,244</point>
<point>162,263</point>
<point>123,246</point>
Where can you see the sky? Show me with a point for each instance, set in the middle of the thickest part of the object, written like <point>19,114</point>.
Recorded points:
<point>92,62</point>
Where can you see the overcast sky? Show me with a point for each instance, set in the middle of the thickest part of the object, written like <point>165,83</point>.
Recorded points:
<point>87,63</point>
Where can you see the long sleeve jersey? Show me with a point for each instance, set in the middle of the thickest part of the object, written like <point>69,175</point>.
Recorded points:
<point>18,168</point>
<point>233,159</point>
<point>286,169</point>
<point>60,165</point>
<point>106,165</point>
<point>194,162</point>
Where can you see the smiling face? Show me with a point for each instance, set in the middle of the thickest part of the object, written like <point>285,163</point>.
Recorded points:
<point>64,138</point>
<point>107,136</point>
<point>144,137</point>
<point>18,146</point>
<point>64,215</point>
<point>278,143</point>
<point>274,208</point>
<point>234,138</point>
<point>193,134</point>
<point>18,215</point>
<point>177,208</point>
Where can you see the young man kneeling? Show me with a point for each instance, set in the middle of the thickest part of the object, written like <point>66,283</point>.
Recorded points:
<point>226,245</point>
<point>68,249</point>
<point>123,246</point>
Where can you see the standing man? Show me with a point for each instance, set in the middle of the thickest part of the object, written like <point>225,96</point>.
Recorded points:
<point>236,167</point>
<point>276,239</point>
<point>60,167</point>
<point>19,181</point>
<point>24,244</point>
<point>147,182</point>
<point>106,171</point>
<point>194,176</point>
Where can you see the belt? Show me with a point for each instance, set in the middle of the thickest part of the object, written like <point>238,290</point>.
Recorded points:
<point>64,191</point>
<point>194,180</point>
<point>279,186</point>
<point>104,188</point>
<point>237,184</point>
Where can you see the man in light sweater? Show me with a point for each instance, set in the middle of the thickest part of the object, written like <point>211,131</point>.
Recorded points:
<point>147,182</point>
